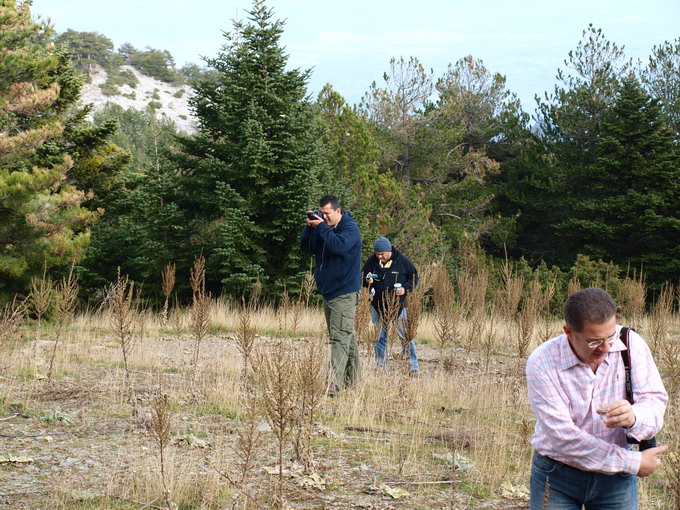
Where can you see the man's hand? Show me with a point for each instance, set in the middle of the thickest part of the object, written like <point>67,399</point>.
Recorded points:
<point>650,462</point>
<point>315,222</point>
<point>619,414</point>
<point>400,291</point>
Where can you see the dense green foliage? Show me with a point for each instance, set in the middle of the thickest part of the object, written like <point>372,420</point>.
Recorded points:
<point>437,164</point>
<point>250,172</point>
<point>89,48</point>
<point>624,205</point>
<point>42,218</point>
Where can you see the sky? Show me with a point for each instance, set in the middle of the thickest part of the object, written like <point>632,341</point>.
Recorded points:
<point>349,43</point>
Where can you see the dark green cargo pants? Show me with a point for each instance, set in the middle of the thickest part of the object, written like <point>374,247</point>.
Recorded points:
<point>339,312</point>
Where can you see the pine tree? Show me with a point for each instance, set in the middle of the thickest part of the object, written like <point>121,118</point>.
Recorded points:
<point>250,171</point>
<point>41,217</point>
<point>661,78</point>
<point>569,128</point>
<point>396,110</point>
<point>625,204</point>
<point>570,118</point>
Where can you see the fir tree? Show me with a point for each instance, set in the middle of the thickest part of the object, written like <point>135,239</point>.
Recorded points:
<point>250,171</point>
<point>625,205</point>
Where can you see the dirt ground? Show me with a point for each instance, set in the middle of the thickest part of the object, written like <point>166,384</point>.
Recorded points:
<point>73,443</point>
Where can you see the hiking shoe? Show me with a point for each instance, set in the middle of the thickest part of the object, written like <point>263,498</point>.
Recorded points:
<point>332,389</point>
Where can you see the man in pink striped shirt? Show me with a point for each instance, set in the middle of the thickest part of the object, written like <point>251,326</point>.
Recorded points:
<point>576,385</point>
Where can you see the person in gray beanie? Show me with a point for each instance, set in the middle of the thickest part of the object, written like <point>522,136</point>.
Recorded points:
<point>389,271</point>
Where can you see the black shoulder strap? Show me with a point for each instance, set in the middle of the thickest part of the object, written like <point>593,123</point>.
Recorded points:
<point>625,355</point>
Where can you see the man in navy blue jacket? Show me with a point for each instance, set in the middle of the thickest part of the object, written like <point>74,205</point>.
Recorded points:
<point>335,241</point>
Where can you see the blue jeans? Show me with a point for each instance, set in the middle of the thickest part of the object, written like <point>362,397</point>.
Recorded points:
<point>571,488</point>
<point>381,353</point>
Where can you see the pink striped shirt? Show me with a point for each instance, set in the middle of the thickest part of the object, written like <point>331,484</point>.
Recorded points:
<point>564,394</point>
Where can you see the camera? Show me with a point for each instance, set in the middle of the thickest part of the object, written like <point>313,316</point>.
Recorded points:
<point>312,215</point>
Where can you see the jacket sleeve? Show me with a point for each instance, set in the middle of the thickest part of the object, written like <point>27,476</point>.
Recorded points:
<point>649,394</point>
<point>307,241</point>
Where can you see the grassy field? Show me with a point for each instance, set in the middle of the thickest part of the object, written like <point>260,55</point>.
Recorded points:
<point>223,405</point>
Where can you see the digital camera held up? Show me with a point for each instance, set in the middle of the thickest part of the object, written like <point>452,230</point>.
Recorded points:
<point>312,215</point>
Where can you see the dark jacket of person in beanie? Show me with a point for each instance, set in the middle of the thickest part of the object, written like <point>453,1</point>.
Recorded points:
<point>398,269</point>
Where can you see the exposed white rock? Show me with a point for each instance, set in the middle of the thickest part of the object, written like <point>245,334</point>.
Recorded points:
<point>175,108</point>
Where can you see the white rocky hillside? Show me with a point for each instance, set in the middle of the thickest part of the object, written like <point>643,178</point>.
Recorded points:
<point>173,102</point>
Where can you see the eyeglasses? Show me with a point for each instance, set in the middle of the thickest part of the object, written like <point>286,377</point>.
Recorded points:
<point>593,344</point>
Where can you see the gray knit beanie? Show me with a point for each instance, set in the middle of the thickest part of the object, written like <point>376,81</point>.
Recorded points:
<point>382,244</point>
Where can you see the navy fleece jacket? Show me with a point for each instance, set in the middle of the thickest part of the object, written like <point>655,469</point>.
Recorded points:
<point>338,256</point>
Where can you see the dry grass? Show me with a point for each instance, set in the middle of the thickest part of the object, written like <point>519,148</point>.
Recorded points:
<point>65,302</point>
<point>123,314</point>
<point>364,328</point>
<point>449,437</point>
<point>631,300</point>
<point>40,299</point>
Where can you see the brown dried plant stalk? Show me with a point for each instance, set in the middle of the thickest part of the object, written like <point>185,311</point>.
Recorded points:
<point>248,437</point>
<point>276,372</point>
<point>513,285</point>
<point>661,317</point>
<point>123,316</point>
<point>363,325</point>
<point>245,335</point>
<point>297,313</point>
<point>42,289</point>
<point>574,285</point>
<point>475,329</point>
<point>311,386</point>
<point>672,457</point>
<point>388,320</point>
<point>446,313</point>
<point>197,274</point>
<point>302,302</point>
<point>546,493</point>
<point>12,315</point>
<point>466,284</point>
<point>414,307</point>
<point>307,287</point>
<point>177,318</point>
<point>472,288</point>
<point>200,308</point>
<point>282,313</point>
<point>670,356</point>
<point>66,299</point>
<point>160,427</point>
<point>544,326</point>
<point>488,338</point>
<point>168,277</point>
<point>527,318</point>
<point>632,298</point>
